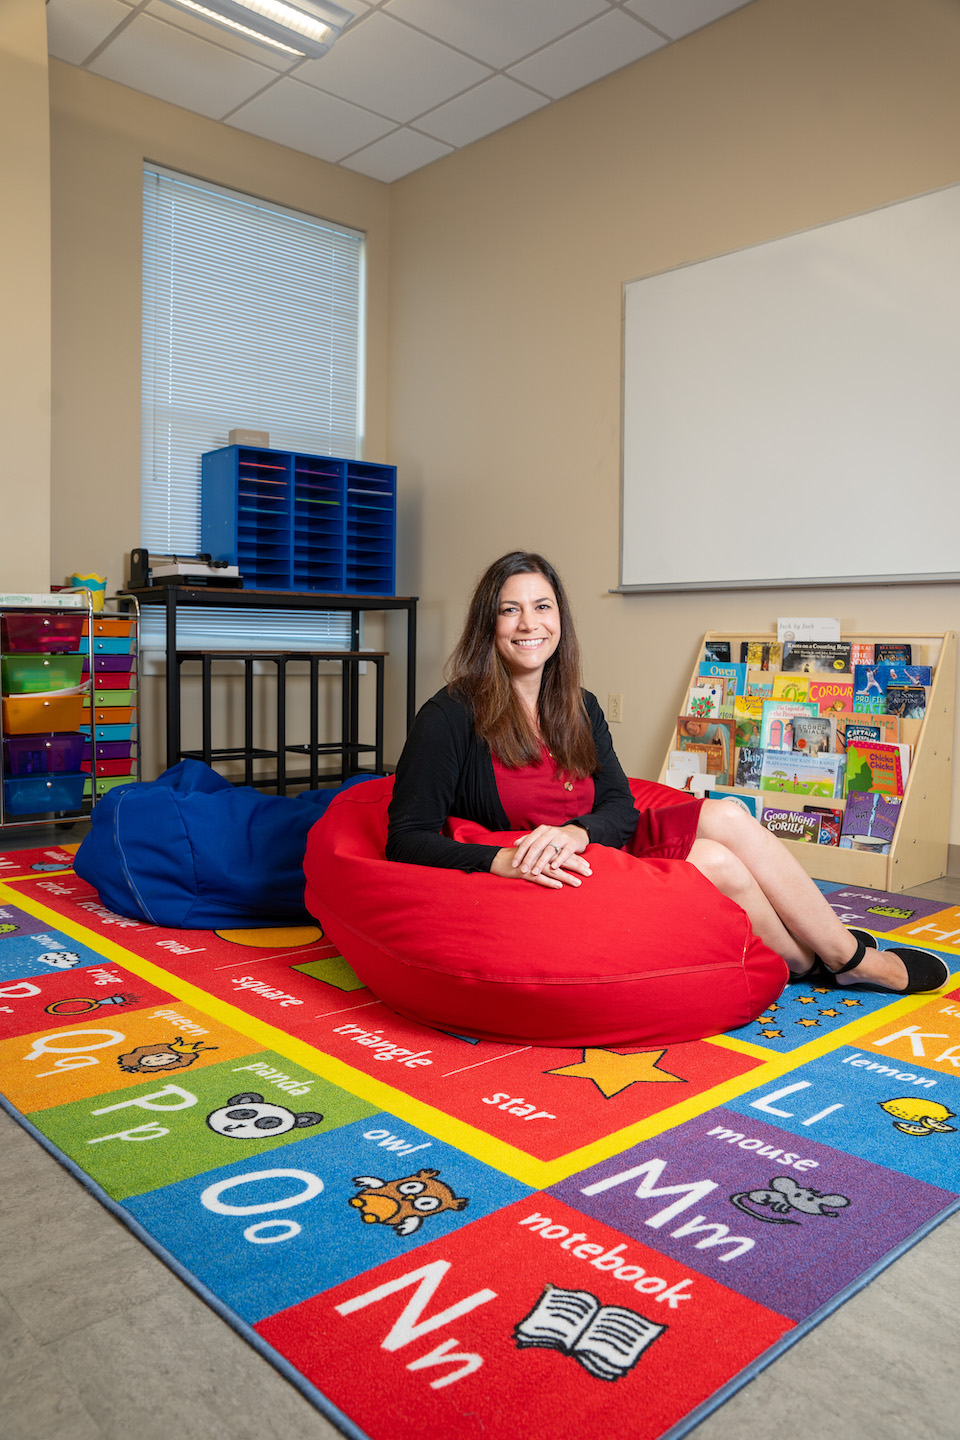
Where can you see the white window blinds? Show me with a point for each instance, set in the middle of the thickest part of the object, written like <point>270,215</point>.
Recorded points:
<point>252,318</point>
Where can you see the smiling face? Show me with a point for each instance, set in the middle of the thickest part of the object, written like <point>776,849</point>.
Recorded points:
<point>528,625</point>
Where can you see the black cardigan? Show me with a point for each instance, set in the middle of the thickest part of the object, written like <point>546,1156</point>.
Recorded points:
<point>446,770</point>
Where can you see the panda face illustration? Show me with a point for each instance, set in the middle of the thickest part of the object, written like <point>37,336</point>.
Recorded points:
<point>250,1117</point>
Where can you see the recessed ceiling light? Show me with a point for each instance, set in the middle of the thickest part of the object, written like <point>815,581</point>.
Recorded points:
<point>308,27</point>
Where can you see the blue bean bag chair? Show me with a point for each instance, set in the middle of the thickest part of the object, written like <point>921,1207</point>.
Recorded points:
<point>191,851</point>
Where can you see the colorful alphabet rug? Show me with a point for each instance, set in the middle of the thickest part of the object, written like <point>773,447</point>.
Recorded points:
<point>503,1240</point>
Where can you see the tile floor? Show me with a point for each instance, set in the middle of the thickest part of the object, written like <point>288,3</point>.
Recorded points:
<point>100,1341</point>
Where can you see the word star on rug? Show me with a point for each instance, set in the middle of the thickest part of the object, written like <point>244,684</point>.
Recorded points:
<point>477,1240</point>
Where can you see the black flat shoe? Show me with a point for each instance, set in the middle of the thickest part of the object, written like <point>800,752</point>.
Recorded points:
<point>924,970</point>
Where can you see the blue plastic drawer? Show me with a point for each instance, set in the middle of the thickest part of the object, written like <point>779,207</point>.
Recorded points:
<point>111,732</point>
<point>38,794</point>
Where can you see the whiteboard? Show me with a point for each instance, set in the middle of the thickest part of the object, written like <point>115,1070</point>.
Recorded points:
<point>791,412</point>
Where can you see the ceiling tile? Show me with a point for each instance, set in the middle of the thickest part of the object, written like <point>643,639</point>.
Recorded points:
<point>389,68</point>
<point>480,111</point>
<point>680,17</point>
<point>497,31</point>
<point>306,119</point>
<point>167,62</point>
<point>397,155</point>
<point>216,35</point>
<point>77,27</point>
<point>588,54</point>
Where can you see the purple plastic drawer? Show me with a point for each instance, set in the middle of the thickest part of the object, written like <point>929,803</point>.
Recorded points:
<point>119,664</point>
<point>116,750</point>
<point>42,754</point>
<point>47,634</point>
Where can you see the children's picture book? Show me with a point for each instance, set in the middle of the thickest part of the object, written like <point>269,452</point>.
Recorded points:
<point>776,732</point>
<point>607,1340</point>
<point>693,781</point>
<point>874,767</point>
<point>808,627</point>
<point>799,774</point>
<point>707,698</point>
<point>717,650</point>
<point>719,670</point>
<point>872,680</point>
<point>749,763</point>
<point>813,733</point>
<point>831,695</point>
<point>791,687</point>
<point>887,725</point>
<point>830,822</point>
<point>894,653</point>
<point>760,684</point>
<point>792,824</point>
<point>812,656</point>
<point>689,761</point>
<point>711,738</point>
<point>750,803</point>
<point>747,714</point>
<point>861,652</point>
<point>761,654</point>
<point>869,821</point>
<point>909,702</point>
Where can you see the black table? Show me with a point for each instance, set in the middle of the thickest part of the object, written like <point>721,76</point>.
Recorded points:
<point>176,597</point>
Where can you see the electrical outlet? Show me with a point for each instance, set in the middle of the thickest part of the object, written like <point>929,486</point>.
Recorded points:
<point>614,708</point>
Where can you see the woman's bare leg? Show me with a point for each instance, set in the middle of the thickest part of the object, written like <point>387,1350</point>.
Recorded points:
<point>732,878</point>
<point>801,907</point>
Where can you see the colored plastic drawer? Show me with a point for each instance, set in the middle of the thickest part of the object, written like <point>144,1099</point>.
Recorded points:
<point>42,754</point>
<point>111,664</point>
<point>38,794</point>
<point>113,625</point>
<point>109,646</point>
<point>113,767</point>
<point>29,674</point>
<point>117,684</point>
<point>34,715</point>
<point>115,750</point>
<point>106,783</point>
<point>113,714</point>
<point>50,634</point>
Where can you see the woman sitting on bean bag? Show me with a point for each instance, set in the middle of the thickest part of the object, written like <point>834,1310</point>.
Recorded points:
<point>654,922</point>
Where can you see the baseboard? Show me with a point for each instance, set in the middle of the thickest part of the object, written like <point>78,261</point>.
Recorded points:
<point>953,859</point>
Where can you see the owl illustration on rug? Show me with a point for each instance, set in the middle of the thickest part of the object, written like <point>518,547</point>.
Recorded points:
<point>404,1204</point>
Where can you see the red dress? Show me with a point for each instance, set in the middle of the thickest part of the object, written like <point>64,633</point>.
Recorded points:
<point>535,795</point>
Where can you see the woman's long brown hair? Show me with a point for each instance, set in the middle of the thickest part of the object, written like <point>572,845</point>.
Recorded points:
<point>476,673</point>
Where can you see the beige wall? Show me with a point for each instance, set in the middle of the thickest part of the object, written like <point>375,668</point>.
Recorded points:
<point>507,262</point>
<point>24,297</point>
<point>101,133</point>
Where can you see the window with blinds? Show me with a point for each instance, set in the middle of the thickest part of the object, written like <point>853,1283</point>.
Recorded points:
<point>252,318</point>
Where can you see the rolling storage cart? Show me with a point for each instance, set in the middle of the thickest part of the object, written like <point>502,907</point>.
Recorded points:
<point>54,768</point>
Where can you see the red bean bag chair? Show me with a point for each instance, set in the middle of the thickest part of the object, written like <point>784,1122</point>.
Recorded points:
<point>645,952</point>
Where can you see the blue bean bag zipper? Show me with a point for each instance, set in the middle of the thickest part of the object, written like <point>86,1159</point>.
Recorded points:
<point>191,851</point>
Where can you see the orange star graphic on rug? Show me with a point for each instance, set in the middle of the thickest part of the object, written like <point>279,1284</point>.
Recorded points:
<point>806,1000</point>
<point>612,1073</point>
<point>849,1002</point>
<point>829,1012</point>
<point>806,1022</point>
<point>772,1034</point>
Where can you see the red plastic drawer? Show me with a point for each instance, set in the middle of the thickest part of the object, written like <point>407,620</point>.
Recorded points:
<point>46,634</point>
